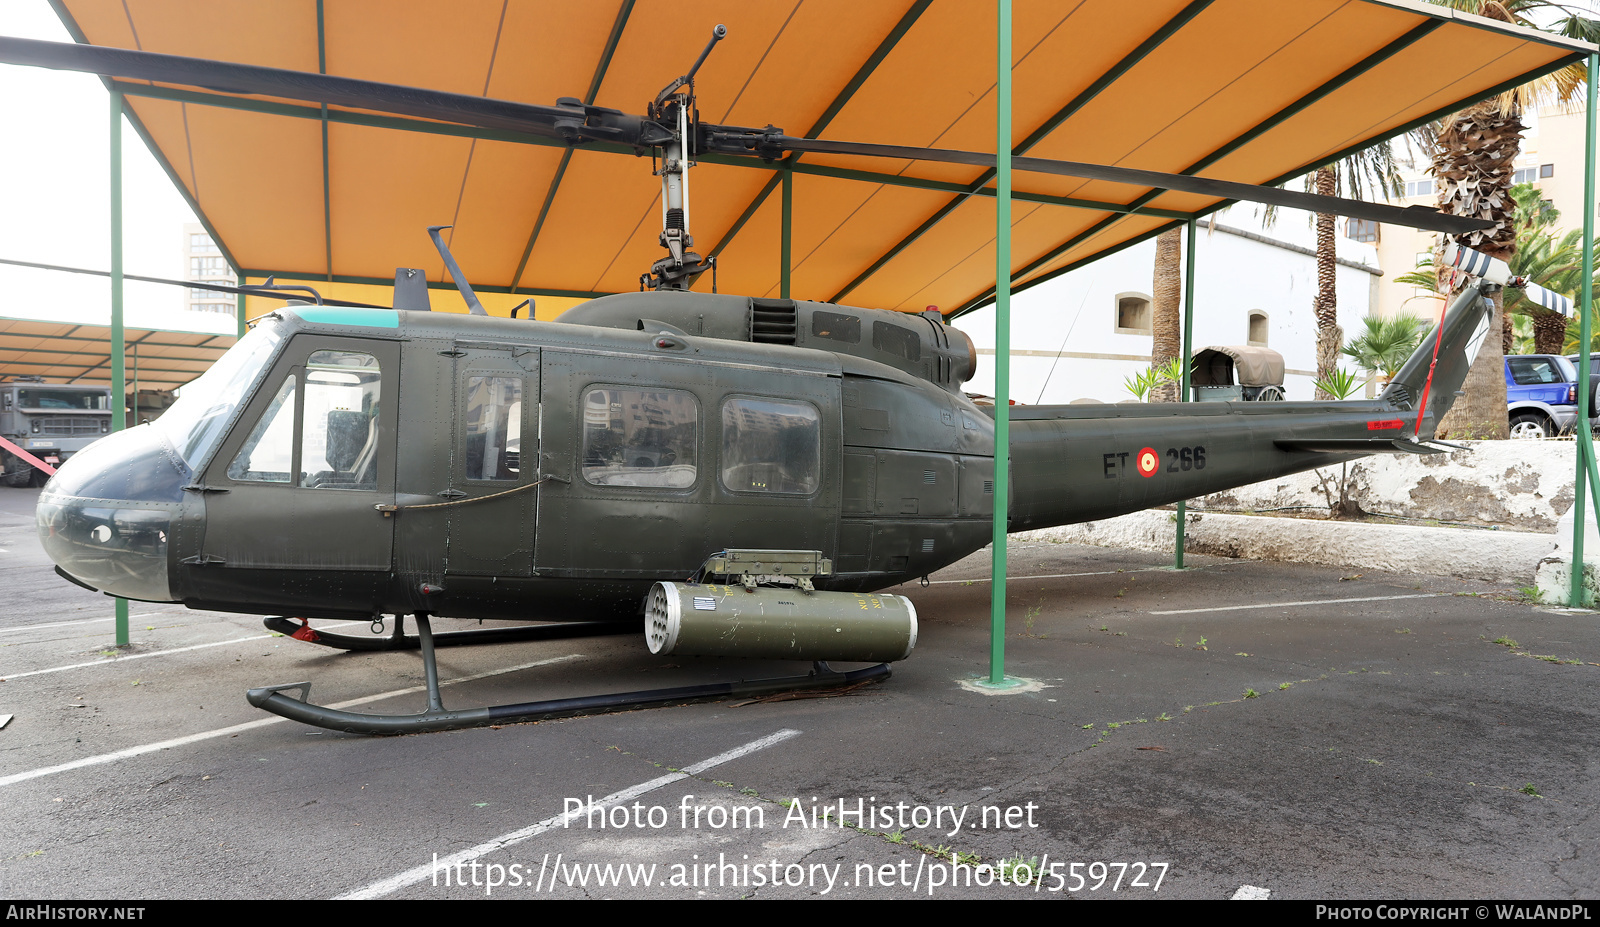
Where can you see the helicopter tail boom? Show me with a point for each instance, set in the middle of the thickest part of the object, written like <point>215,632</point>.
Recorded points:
<point>1074,463</point>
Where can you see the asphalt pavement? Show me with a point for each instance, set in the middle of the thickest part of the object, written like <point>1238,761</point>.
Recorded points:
<point>1313,732</point>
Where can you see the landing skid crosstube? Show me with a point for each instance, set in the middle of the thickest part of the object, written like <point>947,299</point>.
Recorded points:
<point>438,718</point>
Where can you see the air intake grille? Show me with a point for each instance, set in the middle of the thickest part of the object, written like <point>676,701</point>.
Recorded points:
<point>772,321</point>
<point>69,425</point>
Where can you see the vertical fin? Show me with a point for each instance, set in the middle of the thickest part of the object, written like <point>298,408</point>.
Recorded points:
<point>1456,339</point>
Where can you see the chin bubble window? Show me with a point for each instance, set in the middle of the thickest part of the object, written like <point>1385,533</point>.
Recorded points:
<point>771,445</point>
<point>635,437</point>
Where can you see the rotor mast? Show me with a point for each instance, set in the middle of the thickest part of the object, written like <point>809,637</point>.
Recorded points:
<point>674,107</point>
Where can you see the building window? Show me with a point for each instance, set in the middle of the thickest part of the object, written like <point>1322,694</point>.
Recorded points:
<point>1526,175</point>
<point>1547,170</point>
<point>1258,328</point>
<point>1133,314</point>
<point>1419,188</point>
<point>1361,230</point>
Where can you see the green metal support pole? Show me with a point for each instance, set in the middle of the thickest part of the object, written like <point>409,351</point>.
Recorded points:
<point>786,251</point>
<point>1002,351</point>
<point>238,312</point>
<point>1585,443</point>
<point>119,384</point>
<point>1183,379</point>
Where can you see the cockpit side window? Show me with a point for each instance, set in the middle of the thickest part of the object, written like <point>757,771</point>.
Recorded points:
<point>322,423</point>
<point>339,434</point>
<point>268,454</point>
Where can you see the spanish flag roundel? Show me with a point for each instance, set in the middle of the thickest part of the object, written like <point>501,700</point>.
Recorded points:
<point>1148,462</point>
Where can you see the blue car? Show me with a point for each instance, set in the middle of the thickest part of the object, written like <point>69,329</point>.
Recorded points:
<point>1541,395</point>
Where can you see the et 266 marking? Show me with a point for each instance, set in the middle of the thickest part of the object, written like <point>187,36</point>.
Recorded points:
<point>1147,462</point>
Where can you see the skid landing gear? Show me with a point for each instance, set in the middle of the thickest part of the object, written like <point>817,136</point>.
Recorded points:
<point>399,640</point>
<point>438,718</point>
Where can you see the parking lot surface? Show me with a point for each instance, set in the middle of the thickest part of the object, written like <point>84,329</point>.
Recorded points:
<point>1313,732</point>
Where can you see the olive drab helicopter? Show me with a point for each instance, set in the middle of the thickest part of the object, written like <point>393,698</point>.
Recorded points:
<point>747,473</point>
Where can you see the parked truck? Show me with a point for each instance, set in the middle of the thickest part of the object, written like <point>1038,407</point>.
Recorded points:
<point>51,421</point>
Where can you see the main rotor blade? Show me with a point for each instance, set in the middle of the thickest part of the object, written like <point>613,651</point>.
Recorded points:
<point>1419,217</point>
<point>573,123</point>
<point>576,123</point>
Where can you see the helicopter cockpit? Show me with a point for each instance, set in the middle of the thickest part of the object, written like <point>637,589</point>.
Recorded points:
<point>106,520</point>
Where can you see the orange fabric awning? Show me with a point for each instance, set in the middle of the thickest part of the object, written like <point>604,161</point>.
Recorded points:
<point>71,352</point>
<point>1247,90</point>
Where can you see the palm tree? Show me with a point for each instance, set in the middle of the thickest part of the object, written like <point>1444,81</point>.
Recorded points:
<point>1386,343</point>
<point>1373,170</point>
<point>1327,302</point>
<point>1553,263</point>
<point>1473,164</point>
<point>1166,310</point>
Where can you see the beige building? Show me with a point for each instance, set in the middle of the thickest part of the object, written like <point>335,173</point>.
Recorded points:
<point>1551,158</point>
<point>204,263</point>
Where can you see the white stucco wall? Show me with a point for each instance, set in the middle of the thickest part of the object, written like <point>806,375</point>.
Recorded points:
<point>1520,485</point>
<point>1069,323</point>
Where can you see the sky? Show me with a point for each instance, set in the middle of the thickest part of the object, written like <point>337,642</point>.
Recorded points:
<point>54,197</point>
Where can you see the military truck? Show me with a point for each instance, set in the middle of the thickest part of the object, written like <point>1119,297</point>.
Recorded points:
<point>51,421</point>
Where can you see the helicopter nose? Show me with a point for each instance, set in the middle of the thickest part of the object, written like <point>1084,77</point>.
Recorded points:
<point>106,515</point>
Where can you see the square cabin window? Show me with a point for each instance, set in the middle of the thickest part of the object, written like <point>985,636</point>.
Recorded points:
<point>771,445</point>
<point>640,437</point>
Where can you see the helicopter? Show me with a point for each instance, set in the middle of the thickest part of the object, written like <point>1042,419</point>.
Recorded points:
<point>745,473</point>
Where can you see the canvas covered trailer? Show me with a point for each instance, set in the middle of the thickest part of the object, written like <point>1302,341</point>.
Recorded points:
<point>1223,372</point>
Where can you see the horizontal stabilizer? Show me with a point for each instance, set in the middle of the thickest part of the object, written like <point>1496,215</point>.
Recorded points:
<point>1361,446</point>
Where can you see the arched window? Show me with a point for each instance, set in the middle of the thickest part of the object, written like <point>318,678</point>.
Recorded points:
<point>1133,314</point>
<point>1258,328</point>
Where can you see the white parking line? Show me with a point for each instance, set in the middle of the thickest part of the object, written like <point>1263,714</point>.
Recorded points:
<point>63,624</point>
<point>1240,608</point>
<point>157,653</point>
<point>1012,579</point>
<point>1251,893</point>
<point>104,758</point>
<point>426,870</point>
